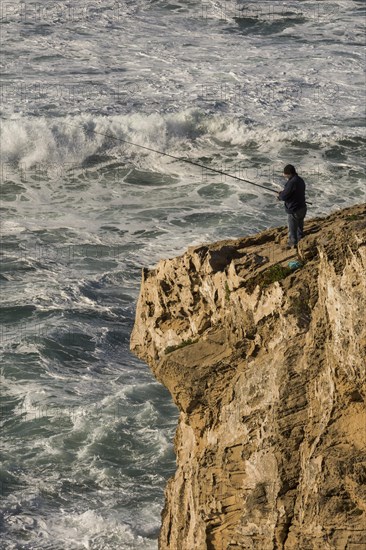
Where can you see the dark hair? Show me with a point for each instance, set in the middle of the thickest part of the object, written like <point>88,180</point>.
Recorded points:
<point>289,170</point>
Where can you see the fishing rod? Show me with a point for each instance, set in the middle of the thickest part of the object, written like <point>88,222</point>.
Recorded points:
<point>182,160</point>
<point>185,160</point>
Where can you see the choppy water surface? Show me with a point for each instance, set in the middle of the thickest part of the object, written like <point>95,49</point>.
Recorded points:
<point>242,87</point>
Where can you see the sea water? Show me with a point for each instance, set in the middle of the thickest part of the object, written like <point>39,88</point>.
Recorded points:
<point>241,87</point>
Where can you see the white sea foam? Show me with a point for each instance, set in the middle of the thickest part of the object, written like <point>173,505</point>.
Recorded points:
<point>70,141</point>
<point>85,530</point>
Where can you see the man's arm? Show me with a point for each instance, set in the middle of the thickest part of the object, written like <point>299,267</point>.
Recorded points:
<point>287,191</point>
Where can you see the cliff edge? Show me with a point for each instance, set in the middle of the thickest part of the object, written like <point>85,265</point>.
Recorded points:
<point>267,367</point>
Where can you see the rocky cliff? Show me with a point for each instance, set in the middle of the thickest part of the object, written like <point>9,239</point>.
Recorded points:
<point>267,367</point>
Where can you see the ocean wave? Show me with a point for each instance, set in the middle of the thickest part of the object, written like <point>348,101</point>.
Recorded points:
<point>72,141</point>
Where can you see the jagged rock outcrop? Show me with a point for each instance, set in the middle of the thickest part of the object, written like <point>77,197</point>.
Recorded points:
<point>267,368</point>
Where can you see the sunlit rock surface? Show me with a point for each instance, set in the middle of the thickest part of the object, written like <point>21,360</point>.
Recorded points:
<point>267,368</point>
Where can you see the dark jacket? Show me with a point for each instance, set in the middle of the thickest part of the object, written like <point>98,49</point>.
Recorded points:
<point>293,194</point>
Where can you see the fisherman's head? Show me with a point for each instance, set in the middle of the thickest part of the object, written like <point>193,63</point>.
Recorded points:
<point>289,171</point>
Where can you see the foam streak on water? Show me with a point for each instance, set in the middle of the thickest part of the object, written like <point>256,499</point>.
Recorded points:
<point>242,87</point>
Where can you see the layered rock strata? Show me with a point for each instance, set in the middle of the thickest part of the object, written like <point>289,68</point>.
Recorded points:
<point>267,367</point>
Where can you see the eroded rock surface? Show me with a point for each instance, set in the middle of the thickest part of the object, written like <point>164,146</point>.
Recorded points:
<point>269,378</point>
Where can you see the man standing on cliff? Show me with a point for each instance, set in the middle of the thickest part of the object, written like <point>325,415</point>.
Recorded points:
<point>294,196</point>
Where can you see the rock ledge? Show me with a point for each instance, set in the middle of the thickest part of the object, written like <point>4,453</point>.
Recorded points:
<point>267,368</point>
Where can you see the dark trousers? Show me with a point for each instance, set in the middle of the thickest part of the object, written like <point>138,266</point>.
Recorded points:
<point>296,226</point>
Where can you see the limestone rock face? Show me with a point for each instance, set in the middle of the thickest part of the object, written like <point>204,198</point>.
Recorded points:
<point>267,368</point>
